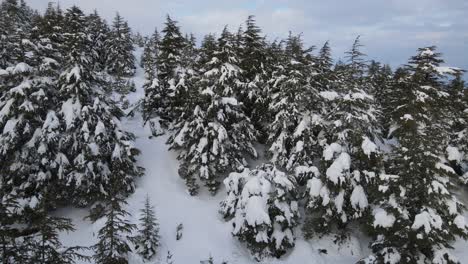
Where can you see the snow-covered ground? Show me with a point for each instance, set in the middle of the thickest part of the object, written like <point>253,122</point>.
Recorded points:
<point>205,233</point>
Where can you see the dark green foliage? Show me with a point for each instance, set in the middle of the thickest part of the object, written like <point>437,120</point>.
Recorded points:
<point>214,133</point>
<point>161,101</point>
<point>44,246</point>
<point>120,59</point>
<point>150,55</point>
<point>112,246</point>
<point>350,157</point>
<point>293,104</point>
<point>147,240</point>
<point>93,141</point>
<point>99,35</point>
<point>427,215</point>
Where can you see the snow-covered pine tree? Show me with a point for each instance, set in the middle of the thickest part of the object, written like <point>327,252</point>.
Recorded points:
<point>160,91</point>
<point>291,139</point>
<point>187,76</point>
<point>138,39</point>
<point>417,215</point>
<point>48,29</point>
<point>380,77</point>
<point>25,106</point>
<point>99,34</point>
<point>457,152</point>
<point>215,134</point>
<point>120,58</point>
<point>252,60</point>
<point>324,75</point>
<point>112,246</point>
<point>44,245</point>
<point>207,49</point>
<point>147,240</point>
<point>99,150</point>
<point>263,207</point>
<point>193,119</point>
<point>350,158</point>
<point>150,55</point>
<point>15,23</point>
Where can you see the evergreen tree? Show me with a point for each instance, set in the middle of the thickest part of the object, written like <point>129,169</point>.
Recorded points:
<point>44,246</point>
<point>417,214</point>
<point>147,240</point>
<point>291,133</point>
<point>150,55</point>
<point>120,59</point>
<point>263,207</point>
<point>112,246</point>
<point>48,30</point>
<point>457,151</point>
<point>138,39</point>
<point>252,59</point>
<point>380,77</point>
<point>350,158</point>
<point>93,140</point>
<point>160,92</point>
<point>99,34</point>
<point>14,26</point>
<point>27,145</point>
<point>215,133</point>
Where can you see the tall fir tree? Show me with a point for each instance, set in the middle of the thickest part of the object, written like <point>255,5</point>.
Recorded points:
<point>457,151</point>
<point>216,133</point>
<point>15,24</point>
<point>380,77</point>
<point>120,58</point>
<point>99,34</point>
<point>291,139</point>
<point>93,140</point>
<point>160,92</point>
<point>150,56</point>
<point>252,60</point>
<point>417,214</point>
<point>350,159</point>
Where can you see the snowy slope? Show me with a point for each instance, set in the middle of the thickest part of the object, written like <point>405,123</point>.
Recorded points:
<point>205,232</point>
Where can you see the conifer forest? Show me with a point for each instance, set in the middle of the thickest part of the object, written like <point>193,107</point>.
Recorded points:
<point>123,148</point>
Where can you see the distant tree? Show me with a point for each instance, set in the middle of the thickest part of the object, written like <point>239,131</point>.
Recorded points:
<point>120,58</point>
<point>98,32</point>
<point>160,92</point>
<point>150,55</point>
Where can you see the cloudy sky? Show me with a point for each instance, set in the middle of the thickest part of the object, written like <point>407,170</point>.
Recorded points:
<point>391,30</point>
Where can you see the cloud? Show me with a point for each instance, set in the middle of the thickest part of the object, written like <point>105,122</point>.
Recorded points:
<point>391,30</point>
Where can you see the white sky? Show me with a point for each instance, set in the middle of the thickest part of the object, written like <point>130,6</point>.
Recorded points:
<point>391,30</point>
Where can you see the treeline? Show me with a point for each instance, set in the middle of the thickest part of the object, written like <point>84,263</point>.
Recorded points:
<point>353,144</point>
